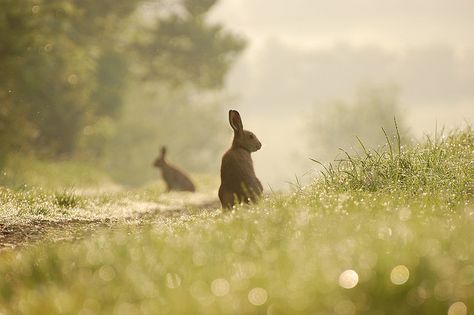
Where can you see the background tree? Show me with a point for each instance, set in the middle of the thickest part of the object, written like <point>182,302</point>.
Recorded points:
<point>182,47</point>
<point>50,52</point>
<point>68,65</point>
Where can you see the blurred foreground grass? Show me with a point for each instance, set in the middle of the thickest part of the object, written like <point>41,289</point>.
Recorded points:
<point>384,233</point>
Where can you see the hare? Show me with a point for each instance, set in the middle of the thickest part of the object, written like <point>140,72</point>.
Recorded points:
<point>238,180</point>
<point>174,178</point>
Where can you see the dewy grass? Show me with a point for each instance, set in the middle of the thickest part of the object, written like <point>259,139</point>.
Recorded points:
<point>67,199</point>
<point>444,167</point>
<point>313,252</point>
<point>352,244</point>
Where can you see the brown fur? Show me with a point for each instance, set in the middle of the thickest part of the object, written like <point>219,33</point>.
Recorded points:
<point>174,178</point>
<point>238,180</point>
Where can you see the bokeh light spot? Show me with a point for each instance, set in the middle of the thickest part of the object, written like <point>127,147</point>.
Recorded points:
<point>73,79</point>
<point>107,273</point>
<point>458,308</point>
<point>348,279</point>
<point>220,287</point>
<point>399,275</point>
<point>258,296</point>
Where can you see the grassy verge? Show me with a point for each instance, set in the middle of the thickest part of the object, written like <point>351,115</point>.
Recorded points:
<point>33,190</point>
<point>443,166</point>
<point>24,206</point>
<point>384,233</point>
<point>21,172</point>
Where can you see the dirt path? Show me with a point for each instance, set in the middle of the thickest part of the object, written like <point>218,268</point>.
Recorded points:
<point>12,236</point>
<point>25,234</point>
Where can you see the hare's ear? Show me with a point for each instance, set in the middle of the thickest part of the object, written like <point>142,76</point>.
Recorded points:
<point>235,121</point>
<point>163,151</point>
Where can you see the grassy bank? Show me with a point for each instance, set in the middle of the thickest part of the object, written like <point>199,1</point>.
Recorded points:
<point>383,233</point>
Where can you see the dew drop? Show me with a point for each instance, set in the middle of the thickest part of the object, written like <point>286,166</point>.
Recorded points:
<point>220,287</point>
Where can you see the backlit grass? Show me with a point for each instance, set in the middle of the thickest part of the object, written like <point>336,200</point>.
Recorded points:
<point>375,237</point>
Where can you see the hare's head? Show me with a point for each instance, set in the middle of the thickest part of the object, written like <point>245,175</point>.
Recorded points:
<point>242,138</point>
<point>160,160</point>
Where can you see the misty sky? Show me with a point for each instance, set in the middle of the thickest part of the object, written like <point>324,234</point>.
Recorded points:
<point>303,54</point>
<point>392,23</point>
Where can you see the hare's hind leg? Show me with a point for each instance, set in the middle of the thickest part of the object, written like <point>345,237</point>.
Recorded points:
<point>226,198</point>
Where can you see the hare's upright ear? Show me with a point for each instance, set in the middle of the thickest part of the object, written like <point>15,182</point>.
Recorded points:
<point>235,121</point>
<point>163,151</point>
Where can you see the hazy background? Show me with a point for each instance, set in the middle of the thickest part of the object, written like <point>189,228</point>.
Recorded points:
<point>305,56</point>
<point>107,83</point>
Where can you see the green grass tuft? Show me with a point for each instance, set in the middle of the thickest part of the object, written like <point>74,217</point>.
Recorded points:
<point>67,199</point>
<point>443,167</point>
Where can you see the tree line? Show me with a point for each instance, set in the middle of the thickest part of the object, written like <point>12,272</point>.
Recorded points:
<point>66,64</point>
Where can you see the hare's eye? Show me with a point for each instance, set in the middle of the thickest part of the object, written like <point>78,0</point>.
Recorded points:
<point>252,136</point>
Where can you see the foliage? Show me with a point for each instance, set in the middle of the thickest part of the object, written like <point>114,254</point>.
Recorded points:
<point>340,122</point>
<point>183,47</point>
<point>50,52</point>
<point>66,64</point>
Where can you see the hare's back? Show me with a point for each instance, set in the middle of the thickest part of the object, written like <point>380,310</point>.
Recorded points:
<point>178,179</point>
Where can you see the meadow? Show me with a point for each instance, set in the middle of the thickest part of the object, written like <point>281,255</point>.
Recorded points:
<point>385,231</point>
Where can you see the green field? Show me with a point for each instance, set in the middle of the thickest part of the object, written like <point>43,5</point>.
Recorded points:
<point>387,232</point>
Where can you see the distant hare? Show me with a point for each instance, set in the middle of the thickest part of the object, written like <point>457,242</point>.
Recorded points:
<point>238,180</point>
<point>175,178</point>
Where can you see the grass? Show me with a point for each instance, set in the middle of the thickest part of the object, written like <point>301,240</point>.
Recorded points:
<point>443,167</point>
<point>23,171</point>
<point>30,205</point>
<point>386,232</point>
<point>67,199</point>
<point>35,190</point>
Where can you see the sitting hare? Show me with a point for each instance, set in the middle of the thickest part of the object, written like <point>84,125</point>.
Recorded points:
<point>238,180</point>
<point>175,178</point>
